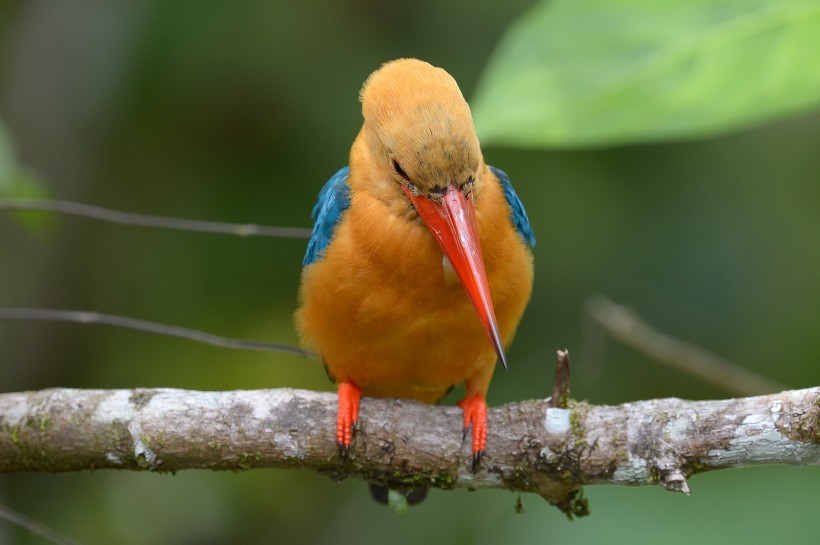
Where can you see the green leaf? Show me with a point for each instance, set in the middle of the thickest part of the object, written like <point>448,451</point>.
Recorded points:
<point>397,502</point>
<point>17,182</point>
<point>596,72</point>
<point>7,163</point>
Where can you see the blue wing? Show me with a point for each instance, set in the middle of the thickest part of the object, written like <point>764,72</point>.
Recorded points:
<point>334,198</point>
<point>517,213</point>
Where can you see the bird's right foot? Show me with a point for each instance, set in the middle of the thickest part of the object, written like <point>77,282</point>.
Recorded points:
<point>348,415</point>
<point>475,420</point>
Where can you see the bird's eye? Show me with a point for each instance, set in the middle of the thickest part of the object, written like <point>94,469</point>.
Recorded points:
<point>399,170</point>
<point>468,187</point>
<point>438,191</point>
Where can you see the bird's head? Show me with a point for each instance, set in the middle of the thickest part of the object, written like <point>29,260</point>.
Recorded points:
<point>420,137</point>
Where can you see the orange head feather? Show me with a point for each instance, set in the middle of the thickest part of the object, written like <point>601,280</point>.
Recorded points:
<point>418,128</point>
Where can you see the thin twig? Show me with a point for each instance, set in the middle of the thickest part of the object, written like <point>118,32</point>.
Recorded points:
<point>626,326</point>
<point>83,317</point>
<point>35,527</point>
<point>127,218</point>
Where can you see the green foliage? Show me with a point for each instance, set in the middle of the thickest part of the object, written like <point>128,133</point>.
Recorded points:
<point>397,502</point>
<point>16,182</point>
<point>236,112</point>
<point>598,72</point>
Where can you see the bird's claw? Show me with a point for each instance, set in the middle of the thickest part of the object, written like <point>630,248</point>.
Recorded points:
<point>344,448</point>
<point>477,456</point>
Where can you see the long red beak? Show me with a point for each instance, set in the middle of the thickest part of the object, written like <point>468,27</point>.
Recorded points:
<point>453,224</point>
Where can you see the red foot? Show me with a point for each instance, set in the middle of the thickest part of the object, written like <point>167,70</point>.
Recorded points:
<point>349,396</point>
<point>475,416</point>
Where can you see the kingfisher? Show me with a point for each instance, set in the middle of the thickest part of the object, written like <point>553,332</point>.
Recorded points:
<point>419,265</point>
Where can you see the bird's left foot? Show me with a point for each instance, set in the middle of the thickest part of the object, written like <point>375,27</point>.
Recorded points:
<point>349,397</point>
<point>475,418</point>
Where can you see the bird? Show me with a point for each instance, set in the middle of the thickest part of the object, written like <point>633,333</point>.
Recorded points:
<point>419,266</point>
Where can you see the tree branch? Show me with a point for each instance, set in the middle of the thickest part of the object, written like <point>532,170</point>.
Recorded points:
<point>623,324</point>
<point>531,447</point>
<point>160,222</point>
<point>86,318</point>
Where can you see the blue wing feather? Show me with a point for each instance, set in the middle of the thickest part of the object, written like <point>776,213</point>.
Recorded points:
<point>517,213</point>
<point>334,199</point>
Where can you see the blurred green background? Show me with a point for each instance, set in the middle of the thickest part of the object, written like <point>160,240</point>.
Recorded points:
<point>239,112</point>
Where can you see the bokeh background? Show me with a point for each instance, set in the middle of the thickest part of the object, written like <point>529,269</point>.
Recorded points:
<point>239,111</point>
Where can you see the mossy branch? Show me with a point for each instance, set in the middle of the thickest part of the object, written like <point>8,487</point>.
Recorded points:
<point>531,446</point>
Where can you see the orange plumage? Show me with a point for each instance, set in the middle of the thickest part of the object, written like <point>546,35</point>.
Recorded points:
<point>381,304</point>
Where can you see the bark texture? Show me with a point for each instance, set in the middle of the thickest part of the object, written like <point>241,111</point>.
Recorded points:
<point>531,446</point>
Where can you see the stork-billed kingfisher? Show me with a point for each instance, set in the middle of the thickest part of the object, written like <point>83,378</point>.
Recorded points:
<point>419,265</point>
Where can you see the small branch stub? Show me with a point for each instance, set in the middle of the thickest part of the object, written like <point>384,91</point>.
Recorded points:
<point>560,389</point>
<point>675,481</point>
